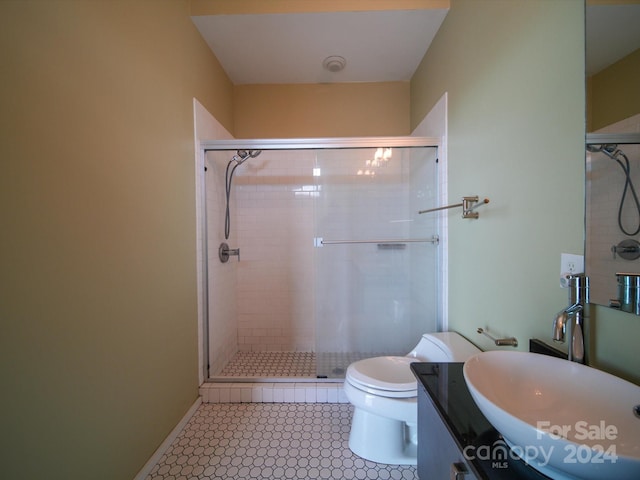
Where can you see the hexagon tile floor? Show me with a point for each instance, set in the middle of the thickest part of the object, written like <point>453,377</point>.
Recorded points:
<point>291,364</point>
<point>269,441</point>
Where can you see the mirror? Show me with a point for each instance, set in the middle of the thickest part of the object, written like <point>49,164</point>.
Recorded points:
<point>612,212</point>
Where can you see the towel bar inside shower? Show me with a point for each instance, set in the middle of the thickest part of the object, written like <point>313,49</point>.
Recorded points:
<point>434,240</point>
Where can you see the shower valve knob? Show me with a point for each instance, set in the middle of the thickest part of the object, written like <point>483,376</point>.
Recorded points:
<point>628,249</point>
<point>224,252</point>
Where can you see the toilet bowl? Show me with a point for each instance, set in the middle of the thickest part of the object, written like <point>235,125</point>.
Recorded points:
<point>383,391</point>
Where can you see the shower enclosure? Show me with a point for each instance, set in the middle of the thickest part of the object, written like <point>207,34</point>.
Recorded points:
<point>332,256</point>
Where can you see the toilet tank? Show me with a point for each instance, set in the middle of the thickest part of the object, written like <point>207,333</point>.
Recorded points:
<point>443,347</point>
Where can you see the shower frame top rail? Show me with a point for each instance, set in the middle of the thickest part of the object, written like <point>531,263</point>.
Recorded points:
<point>318,143</point>
<point>617,138</point>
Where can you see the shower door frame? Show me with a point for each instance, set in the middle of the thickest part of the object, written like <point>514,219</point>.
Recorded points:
<point>318,143</point>
<point>283,144</point>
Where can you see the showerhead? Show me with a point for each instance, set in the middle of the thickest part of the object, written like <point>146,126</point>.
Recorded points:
<point>242,155</point>
<point>594,148</point>
<point>609,149</point>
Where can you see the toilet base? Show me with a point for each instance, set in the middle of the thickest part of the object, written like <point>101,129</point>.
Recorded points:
<point>383,440</point>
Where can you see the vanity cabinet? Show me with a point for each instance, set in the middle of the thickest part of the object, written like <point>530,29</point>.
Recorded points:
<point>455,440</point>
<point>439,457</point>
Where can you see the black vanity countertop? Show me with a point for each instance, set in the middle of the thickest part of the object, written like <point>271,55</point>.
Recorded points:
<point>475,436</point>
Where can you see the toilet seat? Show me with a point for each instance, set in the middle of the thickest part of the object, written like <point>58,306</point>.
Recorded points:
<point>384,376</point>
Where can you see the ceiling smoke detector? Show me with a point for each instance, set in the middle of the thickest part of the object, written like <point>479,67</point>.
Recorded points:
<point>334,63</point>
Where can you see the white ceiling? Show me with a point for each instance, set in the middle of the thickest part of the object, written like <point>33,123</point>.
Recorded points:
<point>289,48</point>
<point>613,32</point>
<point>377,45</point>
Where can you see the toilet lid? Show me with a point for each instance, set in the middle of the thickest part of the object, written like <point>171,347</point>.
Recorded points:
<point>384,373</point>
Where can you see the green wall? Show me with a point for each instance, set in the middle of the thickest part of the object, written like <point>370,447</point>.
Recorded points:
<point>98,307</point>
<point>514,73</point>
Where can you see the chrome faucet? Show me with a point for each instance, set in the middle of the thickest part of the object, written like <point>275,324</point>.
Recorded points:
<point>569,322</point>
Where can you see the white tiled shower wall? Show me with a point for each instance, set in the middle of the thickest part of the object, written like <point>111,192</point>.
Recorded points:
<point>264,299</point>
<point>276,215</point>
<point>274,223</point>
<point>372,297</point>
<point>605,183</point>
<point>223,339</point>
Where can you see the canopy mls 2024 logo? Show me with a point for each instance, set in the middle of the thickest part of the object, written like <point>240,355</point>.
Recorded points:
<point>499,452</point>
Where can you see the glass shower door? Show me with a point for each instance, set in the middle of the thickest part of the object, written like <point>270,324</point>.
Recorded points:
<point>376,259</point>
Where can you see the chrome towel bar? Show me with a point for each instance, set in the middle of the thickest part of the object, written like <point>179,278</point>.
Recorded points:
<point>500,342</point>
<point>434,240</point>
<point>468,204</point>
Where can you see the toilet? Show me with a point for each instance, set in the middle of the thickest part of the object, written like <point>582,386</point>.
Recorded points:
<point>383,391</point>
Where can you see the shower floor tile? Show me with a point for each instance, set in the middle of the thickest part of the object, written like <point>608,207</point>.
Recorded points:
<point>290,364</point>
<point>265,441</point>
<point>271,364</point>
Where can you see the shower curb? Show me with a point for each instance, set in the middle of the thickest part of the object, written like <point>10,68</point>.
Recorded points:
<point>277,392</point>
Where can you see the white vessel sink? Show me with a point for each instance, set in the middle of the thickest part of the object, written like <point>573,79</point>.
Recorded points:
<point>567,420</point>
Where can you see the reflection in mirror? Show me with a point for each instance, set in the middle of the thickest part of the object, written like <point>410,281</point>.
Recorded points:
<point>613,216</point>
<point>612,63</point>
<point>612,244</point>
